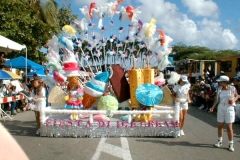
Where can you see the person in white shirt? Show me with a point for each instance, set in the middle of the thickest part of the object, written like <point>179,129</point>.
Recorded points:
<point>20,89</point>
<point>6,85</point>
<point>181,96</point>
<point>225,101</point>
<point>39,100</point>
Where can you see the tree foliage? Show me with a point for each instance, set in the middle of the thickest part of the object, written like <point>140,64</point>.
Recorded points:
<point>20,22</point>
<point>65,15</point>
<point>182,51</point>
<point>32,23</point>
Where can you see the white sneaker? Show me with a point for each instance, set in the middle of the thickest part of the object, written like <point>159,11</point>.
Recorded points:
<point>38,132</point>
<point>182,133</point>
<point>231,147</point>
<point>218,144</point>
<point>178,134</point>
<point>201,107</point>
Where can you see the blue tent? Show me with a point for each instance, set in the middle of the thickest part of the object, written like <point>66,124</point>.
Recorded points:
<point>40,73</point>
<point>20,62</point>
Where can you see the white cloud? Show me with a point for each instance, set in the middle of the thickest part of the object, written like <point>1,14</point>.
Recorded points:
<point>212,34</point>
<point>205,31</point>
<point>202,7</point>
<point>177,25</point>
<point>87,2</point>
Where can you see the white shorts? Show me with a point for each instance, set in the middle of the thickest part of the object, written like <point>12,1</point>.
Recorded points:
<point>226,114</point>
<point>182,105</point>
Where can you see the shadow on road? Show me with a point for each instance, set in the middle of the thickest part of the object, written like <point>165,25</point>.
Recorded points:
<point>210,118</point>
<point>20,128</point>
<point>178,143</point>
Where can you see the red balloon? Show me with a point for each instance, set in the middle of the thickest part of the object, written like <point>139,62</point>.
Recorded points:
<point>130,12</point>
<point>92,5</point>
<point>115,7</point>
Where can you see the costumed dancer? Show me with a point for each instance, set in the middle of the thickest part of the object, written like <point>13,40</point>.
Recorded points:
<point>74,99</point>
<point>181,96</point>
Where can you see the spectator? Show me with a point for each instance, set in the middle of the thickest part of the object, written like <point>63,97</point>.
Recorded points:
<point>5,90</point>
<point>22,90</point>
<point>2,60</point>
<point>12,92</point>
<point>35,76</point>
<point>208,97</point>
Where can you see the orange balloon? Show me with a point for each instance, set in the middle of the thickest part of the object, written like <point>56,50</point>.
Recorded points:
<point>162,36</point>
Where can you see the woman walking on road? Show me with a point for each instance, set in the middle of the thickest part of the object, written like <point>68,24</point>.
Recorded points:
<point>225,98</point>
<point>181,96</point>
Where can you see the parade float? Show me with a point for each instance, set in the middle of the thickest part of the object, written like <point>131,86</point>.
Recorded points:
<point>107,42</point>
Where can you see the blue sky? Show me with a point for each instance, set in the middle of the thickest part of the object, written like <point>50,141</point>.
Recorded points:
<point>211,23</point>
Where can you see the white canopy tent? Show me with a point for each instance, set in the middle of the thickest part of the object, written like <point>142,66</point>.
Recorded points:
<point>7,45</point>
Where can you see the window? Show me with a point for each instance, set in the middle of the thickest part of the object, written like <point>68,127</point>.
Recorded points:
<point>226,66</point>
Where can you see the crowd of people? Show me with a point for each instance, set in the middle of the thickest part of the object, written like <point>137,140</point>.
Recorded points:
<point>15,87</point>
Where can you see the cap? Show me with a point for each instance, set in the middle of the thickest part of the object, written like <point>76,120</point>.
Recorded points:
<point>184,78</point>
<point>223,79</point>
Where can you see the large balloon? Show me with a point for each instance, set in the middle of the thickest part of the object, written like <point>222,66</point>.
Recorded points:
<point>162,36</point>
<point>92,6</point>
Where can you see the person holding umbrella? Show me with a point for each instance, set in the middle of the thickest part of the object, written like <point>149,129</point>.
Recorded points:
<point>181,96</point>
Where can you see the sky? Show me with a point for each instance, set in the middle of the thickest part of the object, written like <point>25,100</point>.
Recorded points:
<point>210,23</point>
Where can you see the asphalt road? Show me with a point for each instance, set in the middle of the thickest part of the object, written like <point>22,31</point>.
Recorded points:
<point>197,144</point>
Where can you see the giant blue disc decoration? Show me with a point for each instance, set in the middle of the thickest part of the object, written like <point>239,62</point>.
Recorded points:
<point>149,94</point>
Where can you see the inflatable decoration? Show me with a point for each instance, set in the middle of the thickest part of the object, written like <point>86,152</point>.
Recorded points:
<point>95,89</point>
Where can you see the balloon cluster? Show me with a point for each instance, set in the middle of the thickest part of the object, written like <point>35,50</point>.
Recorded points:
<point>106,43</point>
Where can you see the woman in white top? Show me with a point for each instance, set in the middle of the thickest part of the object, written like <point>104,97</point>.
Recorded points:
<point>39,99</point>
<point>181,96</point>
<point>225,98</point>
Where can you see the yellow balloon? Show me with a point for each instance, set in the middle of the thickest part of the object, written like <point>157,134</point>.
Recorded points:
<point>153,21</point>
<point>69,29</point>
<point>150,29</point>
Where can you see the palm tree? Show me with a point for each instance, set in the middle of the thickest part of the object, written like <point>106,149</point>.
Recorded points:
<point>47,10</point>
